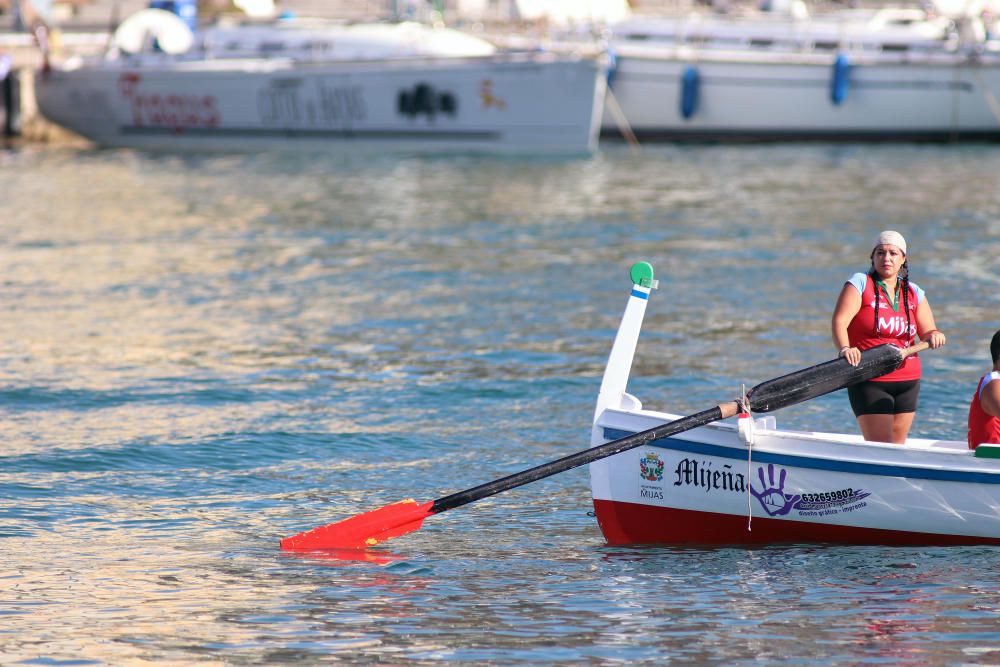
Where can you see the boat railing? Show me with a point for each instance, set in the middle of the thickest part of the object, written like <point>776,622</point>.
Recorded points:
<point>802,44</point>
<point>155,59</point>
<point>893,33</point>
<point>766,427</point>
<point>944,56</point>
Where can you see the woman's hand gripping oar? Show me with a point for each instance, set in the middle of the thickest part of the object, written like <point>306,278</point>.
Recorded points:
<point>407,516</point>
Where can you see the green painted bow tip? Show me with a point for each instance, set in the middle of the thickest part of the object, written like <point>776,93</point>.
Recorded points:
<point>642,274</point>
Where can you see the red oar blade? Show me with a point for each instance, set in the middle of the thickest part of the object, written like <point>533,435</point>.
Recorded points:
<point>364,530</point>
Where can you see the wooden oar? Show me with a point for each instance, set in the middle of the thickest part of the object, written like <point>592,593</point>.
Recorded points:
<point>407,516</point>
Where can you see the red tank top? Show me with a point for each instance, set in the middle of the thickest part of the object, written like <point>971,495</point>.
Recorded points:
<point>891,329</point>
<point>982,427</point>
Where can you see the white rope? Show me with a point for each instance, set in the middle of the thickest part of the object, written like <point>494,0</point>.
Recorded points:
<point>749,506</point>
<point>750,438</point>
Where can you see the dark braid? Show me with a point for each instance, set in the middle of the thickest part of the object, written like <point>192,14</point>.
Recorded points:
<point>904,275</point>
<point>873,274</point>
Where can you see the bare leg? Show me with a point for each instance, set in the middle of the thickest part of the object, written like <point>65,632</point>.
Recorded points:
<point>877,428</point>
<point>901,426</point>
<point>886,428</point>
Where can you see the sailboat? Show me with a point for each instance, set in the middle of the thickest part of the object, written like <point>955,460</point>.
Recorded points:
<point>296,84</point>
<point>893,73</point>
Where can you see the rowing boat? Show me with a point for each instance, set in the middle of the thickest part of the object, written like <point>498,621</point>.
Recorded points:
<point>650,485</point>
<point>746,481</point>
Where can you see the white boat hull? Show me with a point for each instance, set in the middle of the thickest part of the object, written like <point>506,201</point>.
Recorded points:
<point>707,487</point>
<point>747,95</point>
<point>534,104</point>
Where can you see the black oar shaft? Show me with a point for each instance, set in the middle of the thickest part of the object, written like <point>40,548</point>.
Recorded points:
<point>586,456</point>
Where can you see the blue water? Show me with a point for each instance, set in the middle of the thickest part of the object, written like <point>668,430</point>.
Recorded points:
<point>202,355</point>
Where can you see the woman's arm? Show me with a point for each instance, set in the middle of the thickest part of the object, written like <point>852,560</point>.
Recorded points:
<point>990,398</point>
<point>848,305</point>
<point>926,329</point>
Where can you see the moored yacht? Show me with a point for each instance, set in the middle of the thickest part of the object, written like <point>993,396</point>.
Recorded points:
<point>892,73</point>
<point>308,85</point>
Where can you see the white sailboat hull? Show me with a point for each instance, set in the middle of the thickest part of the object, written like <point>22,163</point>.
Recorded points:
<point>535,104</point>
<point>781,95</point>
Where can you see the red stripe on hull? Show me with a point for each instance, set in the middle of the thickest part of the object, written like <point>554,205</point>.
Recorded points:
<point>633,523</point>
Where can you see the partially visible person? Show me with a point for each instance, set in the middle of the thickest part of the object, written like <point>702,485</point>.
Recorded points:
<point>877,307</point>
<point>984,410</point>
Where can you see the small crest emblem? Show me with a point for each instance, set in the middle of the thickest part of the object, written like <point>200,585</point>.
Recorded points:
<point>488,98</point>
<point>651,467</point>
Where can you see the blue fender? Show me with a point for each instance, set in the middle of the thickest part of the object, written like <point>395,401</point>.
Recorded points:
<point>840,79</point>
<point>690,83</point>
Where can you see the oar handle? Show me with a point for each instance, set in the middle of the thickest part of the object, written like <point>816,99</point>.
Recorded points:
<point>919,347</point>
<point>722,411</point>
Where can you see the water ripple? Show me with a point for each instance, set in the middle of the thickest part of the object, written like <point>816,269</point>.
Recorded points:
<point>200,355</point>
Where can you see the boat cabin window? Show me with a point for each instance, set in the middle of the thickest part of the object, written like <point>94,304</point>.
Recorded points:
<point>271,47</point>
<point>321,47</point>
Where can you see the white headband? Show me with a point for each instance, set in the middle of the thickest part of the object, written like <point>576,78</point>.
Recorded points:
<point>892,238</point>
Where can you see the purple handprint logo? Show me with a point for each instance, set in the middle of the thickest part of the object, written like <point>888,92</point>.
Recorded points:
<point>773,498</point>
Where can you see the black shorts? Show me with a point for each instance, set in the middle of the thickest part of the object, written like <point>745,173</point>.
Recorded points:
<point>884,398</point>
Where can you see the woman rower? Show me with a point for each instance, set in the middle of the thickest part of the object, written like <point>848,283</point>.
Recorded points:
<point>883,306</point>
